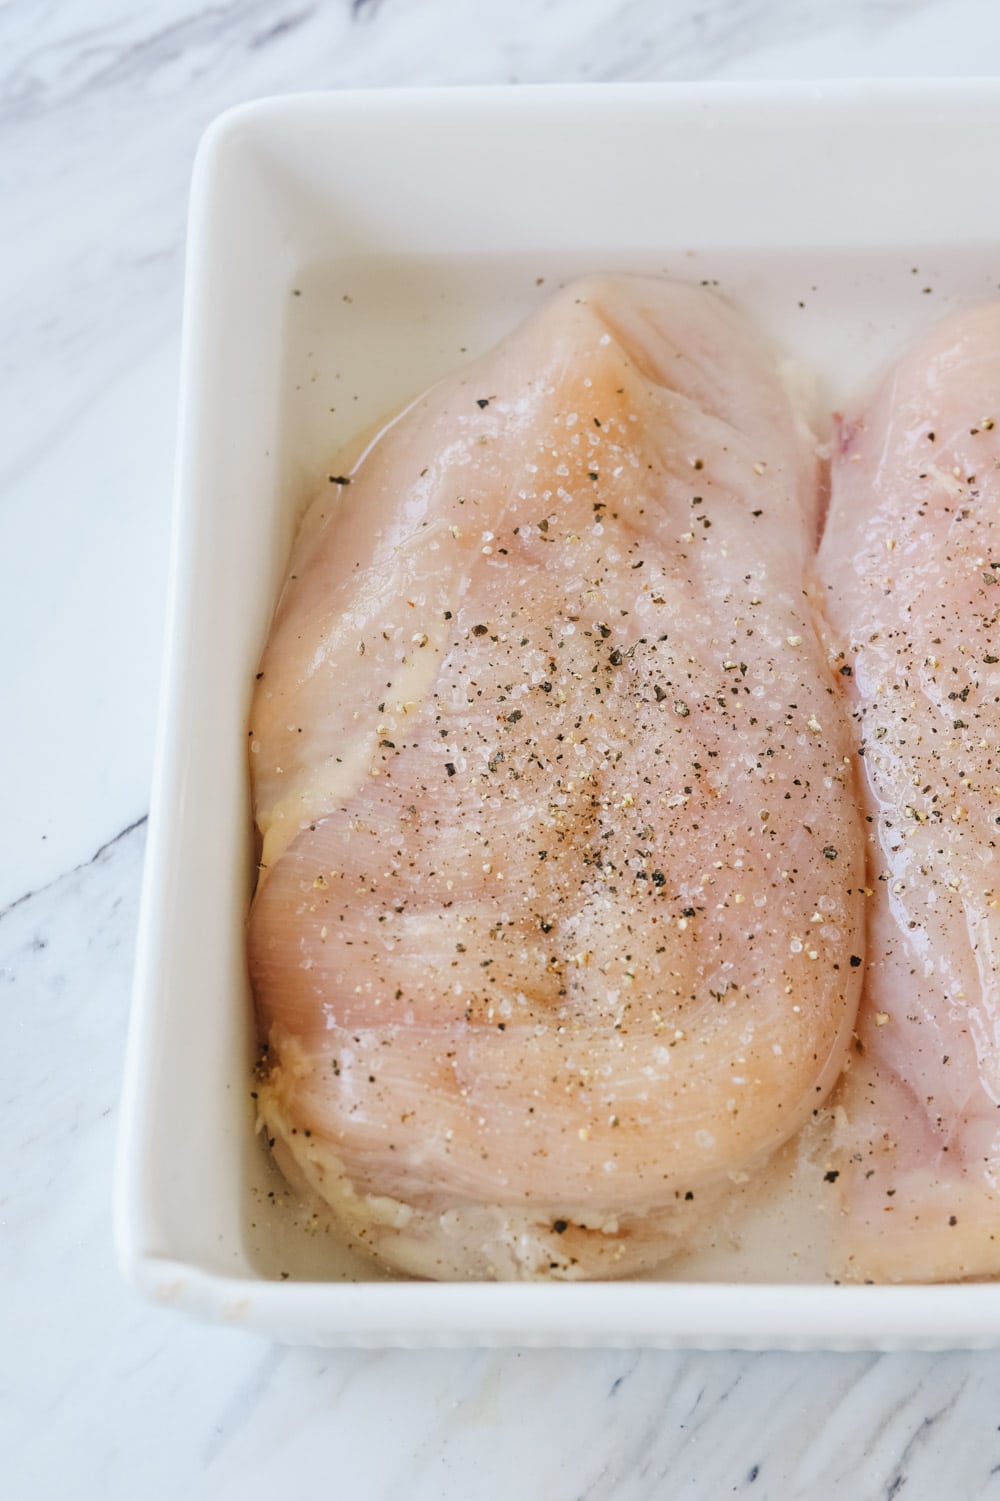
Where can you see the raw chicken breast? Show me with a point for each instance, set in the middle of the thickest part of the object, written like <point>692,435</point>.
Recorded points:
<point>560,860</point>
<point>911,564</point>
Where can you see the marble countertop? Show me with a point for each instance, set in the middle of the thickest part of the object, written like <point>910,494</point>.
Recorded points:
<point>100,1396</point>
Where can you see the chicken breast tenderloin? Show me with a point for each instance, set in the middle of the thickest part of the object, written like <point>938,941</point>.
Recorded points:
<point>561,864</point>
<point>911,565</point>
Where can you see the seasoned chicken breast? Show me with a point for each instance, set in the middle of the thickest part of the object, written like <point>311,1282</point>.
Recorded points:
<point>561,863</point>
<point>911,566</point>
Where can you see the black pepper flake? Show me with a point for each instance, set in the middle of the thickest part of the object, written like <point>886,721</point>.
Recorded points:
<point>829,853</point>
<point>515,716</point>
<point>688,1196</point>
<point>846,671</point>
<point>560,1226</point>
<point>593,474</point>
<point>660,695</point>
<point>615,658</point>
<point>339,479</point>
<point>658,878</point>
<point>831,1176</point>
<point>479,630</point>
<point>259,675</point>
<point>482,401</point>
<point>449,767</point>
<point>952,1219</point>
<point>855,961</point>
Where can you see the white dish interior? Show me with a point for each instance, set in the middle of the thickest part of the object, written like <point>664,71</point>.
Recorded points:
<point>332,276</point>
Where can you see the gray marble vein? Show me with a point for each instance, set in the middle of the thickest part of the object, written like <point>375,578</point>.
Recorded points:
<point>102,103</point>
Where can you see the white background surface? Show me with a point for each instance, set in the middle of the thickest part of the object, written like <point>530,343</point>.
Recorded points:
<point>102,103</point>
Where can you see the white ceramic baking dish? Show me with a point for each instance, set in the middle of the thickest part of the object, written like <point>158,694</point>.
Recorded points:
<point>345,250</point>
